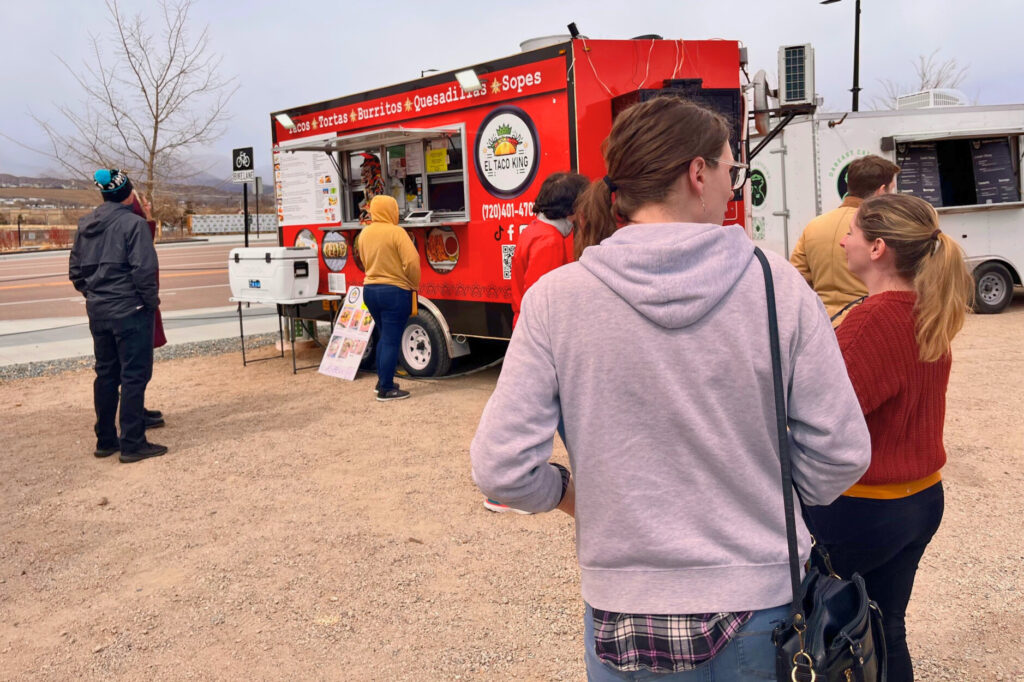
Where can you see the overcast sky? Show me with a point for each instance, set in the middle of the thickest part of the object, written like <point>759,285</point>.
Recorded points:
<point>286,54</point>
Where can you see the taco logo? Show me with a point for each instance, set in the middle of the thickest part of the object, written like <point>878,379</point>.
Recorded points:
<point>507,152</point>
<point>504,141</point>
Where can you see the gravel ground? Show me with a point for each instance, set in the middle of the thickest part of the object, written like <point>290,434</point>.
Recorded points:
<point>27,370</point>
<point>297,528</point>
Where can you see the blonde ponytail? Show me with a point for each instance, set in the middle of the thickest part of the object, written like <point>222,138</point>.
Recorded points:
<point>909,226</point>
<point>944,290</point>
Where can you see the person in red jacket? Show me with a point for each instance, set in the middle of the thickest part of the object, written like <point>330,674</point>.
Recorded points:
<point>141,208</point>
<point>544,245</point>
<point>897,351</point>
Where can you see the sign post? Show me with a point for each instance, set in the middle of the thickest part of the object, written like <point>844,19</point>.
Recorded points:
<point>242,171</point>
<point>259,188</point>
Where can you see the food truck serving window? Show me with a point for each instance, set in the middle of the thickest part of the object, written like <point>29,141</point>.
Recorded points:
<point>422,168</point>
<point>960,171</point>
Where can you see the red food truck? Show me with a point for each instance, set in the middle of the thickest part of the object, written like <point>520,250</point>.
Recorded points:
<point>465,161</point>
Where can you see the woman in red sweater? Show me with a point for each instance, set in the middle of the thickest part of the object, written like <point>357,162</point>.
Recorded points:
<point>897,351</point>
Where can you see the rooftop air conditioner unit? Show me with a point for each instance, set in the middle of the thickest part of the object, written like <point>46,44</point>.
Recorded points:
<point>928,99</point>
<point>796,75</point>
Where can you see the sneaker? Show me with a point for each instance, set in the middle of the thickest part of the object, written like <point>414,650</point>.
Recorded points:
<point>106,452</point>
<point>393,394</point>
<point>496,506</point>
<point>145,452</point>
<point>376,387</point>
<point>153,414</point>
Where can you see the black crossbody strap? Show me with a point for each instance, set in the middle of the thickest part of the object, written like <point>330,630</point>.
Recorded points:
<point>780,422</point>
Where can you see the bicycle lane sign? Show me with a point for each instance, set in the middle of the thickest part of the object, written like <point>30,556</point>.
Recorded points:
<point>242,165</point>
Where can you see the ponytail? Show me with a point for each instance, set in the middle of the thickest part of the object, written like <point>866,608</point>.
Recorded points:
<point>928,258</point>
<point>595,217</point>
<point>944,291</point>
<point>640,170</point>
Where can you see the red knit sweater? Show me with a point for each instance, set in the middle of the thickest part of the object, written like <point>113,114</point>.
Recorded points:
<point>903,399</point>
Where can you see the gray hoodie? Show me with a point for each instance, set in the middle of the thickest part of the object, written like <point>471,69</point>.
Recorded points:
<point>654,351</point>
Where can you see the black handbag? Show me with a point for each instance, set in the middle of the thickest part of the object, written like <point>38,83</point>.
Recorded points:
<point>833,631</point>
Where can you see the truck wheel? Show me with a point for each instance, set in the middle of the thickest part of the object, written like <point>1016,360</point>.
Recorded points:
<point>369,361</point>
<point>423,351</point>
<point>993,288</point>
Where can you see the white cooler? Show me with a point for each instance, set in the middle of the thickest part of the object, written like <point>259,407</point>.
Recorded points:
<point>273,273</point>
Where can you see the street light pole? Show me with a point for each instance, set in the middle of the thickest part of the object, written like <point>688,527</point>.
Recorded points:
<point>856,57</point>
<point>856,52</point>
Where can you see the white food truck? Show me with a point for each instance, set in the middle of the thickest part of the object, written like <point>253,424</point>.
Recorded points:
<point>965,160</point>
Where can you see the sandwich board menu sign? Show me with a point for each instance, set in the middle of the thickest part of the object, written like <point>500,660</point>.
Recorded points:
<point>349,338</point>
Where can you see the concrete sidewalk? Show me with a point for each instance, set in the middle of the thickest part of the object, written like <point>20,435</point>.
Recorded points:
<point>56,338</point>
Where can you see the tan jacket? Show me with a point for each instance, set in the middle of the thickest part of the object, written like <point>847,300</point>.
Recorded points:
<point>386,250</point>
<point>822,261</point>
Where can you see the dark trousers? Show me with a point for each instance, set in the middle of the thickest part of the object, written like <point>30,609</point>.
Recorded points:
<point>124,359</point>
<point>390,307</point>
<point>883,540</point>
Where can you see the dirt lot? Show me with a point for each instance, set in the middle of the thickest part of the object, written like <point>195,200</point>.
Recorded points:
<point>300,529</point>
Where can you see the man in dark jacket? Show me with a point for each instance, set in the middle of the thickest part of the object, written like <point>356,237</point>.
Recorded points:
<point>114,264</point>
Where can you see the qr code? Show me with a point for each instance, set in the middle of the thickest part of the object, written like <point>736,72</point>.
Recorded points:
<point>506,260</point>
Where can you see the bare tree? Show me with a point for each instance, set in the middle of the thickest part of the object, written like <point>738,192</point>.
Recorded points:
<point>929,74</point>
<point>146,99</point>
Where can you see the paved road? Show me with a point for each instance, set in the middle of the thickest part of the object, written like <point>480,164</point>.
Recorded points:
<point>42,317</point>
<point>192,275</point>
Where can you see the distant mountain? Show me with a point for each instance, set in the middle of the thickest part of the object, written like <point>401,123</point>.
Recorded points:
<point>205,189</point>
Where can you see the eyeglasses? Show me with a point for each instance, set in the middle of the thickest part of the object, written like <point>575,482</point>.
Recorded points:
<point>737,171</point>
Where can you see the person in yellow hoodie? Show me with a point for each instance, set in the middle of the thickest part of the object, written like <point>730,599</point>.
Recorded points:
<point>818,255</point>
<point>392,267</point>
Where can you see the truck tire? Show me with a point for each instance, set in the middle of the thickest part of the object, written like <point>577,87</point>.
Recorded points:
<point>423,351</point>
<point>369,361</point>
<point>993,288</point>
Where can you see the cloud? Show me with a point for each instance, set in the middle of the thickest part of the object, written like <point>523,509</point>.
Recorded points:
<point>290,54</point>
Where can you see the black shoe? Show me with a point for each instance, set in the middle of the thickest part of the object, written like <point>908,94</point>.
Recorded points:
<point>106,452</point>
<point>392,394</point>
<point>154,422</point>
<point>153,414</point>
<point>145,452</point>
<point>376,387</point>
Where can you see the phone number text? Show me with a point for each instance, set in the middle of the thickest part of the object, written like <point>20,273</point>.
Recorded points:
<point>522,209</point>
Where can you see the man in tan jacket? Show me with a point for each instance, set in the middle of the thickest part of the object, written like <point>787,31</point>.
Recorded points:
<point>818,255</point>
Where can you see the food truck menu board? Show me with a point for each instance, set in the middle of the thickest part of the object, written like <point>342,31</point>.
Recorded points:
<point>994,178</point>
<point>919,171</point>
<point>349,339</point>
<point>308,188</point>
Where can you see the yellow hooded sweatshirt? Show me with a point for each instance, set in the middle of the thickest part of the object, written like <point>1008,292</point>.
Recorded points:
<point>386,250</point>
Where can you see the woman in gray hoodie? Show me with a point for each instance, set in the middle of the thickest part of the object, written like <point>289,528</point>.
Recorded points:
<point>653,349</point>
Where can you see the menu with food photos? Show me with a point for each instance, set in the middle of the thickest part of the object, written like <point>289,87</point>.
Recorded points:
<point>307,186</point>
<point>349,338</point>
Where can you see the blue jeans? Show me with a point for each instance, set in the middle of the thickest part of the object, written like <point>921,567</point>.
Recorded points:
<point>883,540</point>
<point>749,655</point>
<point>391,307</point>
<point>124,358</point>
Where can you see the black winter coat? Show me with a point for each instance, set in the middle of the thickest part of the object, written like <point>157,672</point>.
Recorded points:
<point>114,263</point>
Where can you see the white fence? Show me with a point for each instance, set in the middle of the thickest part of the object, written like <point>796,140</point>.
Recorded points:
<point>230,223</point>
